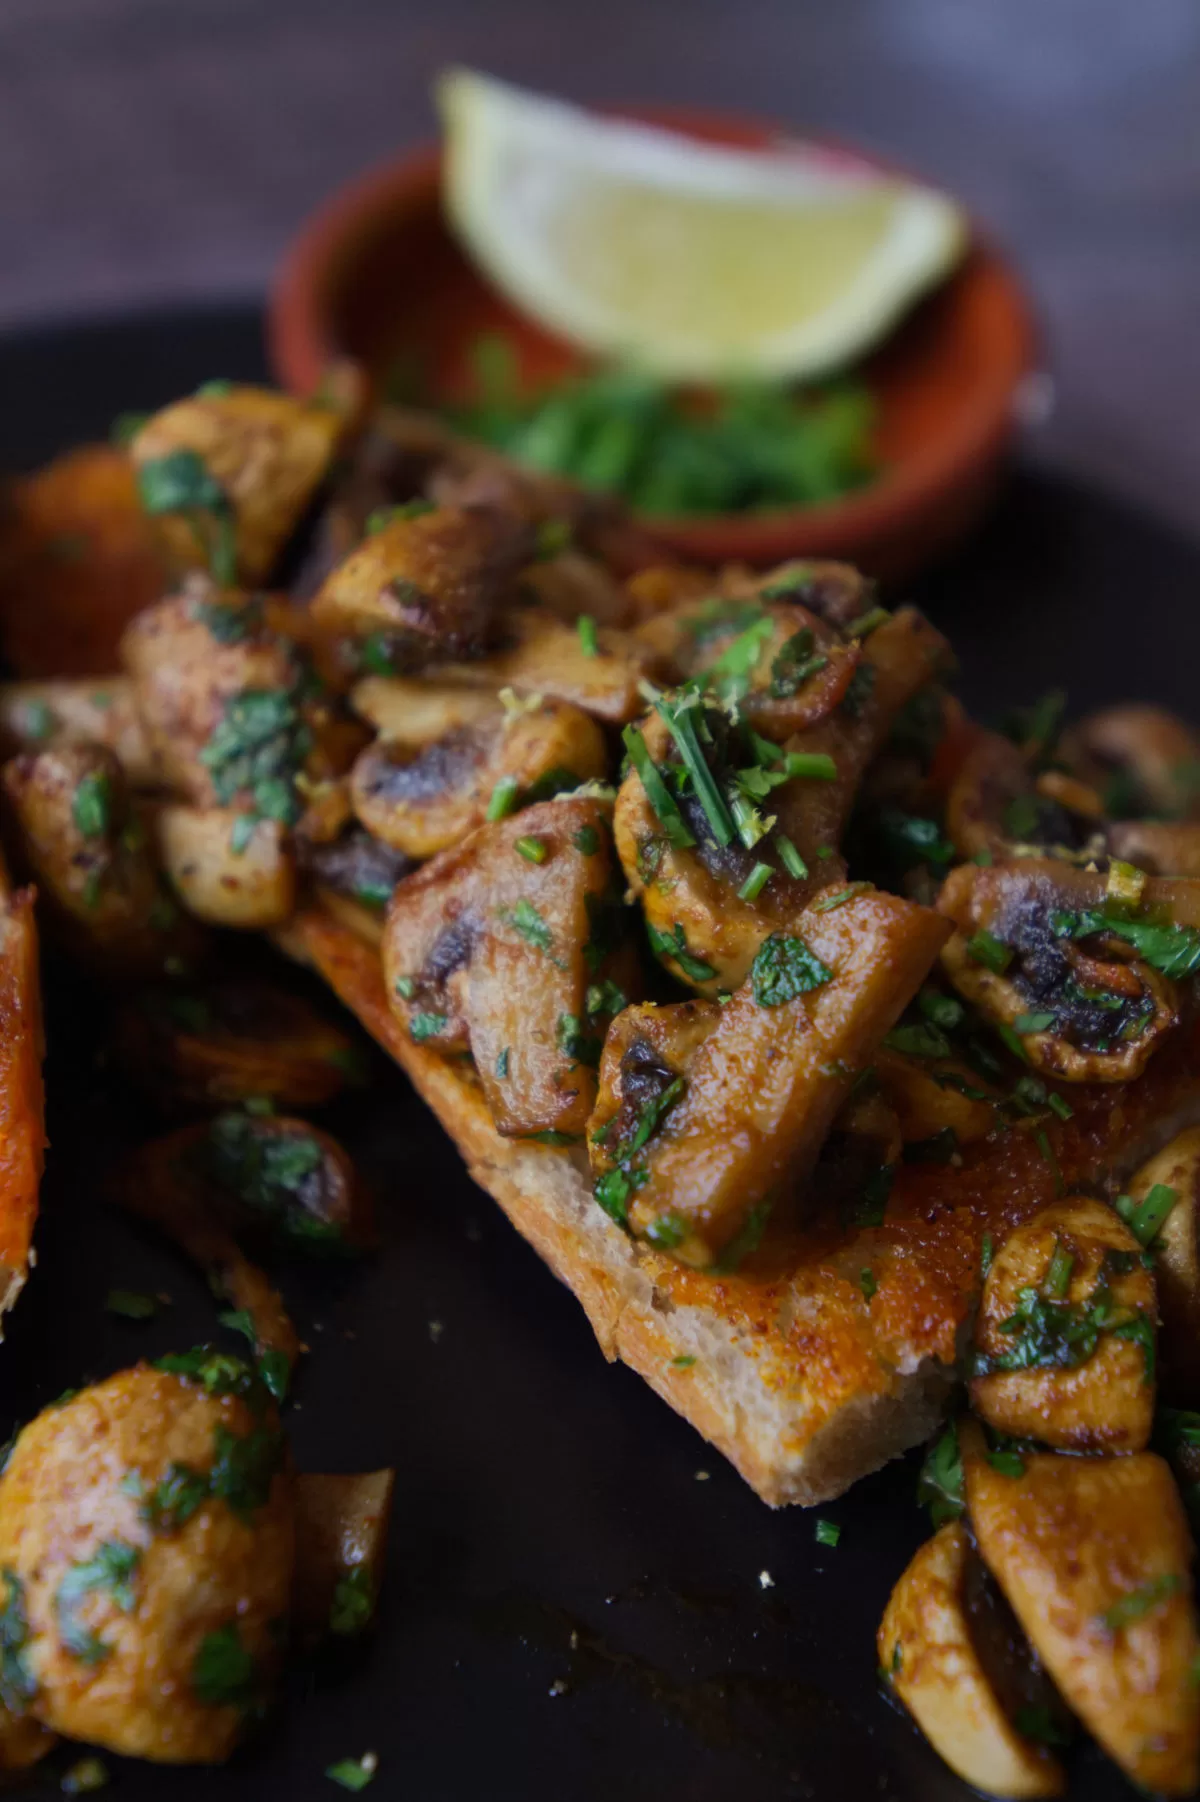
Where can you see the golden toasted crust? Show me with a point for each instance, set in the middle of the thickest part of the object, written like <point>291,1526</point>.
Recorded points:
<point>799,1380</point>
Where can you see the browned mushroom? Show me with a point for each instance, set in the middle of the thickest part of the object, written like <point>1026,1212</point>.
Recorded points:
<point>227,474</point>
<point>1064,1342</point>
<point>744,1127</point>
<point>500,947</point>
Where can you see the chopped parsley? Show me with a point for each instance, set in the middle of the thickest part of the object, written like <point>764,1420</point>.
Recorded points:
<point>18,1686</point>
<point>91,807</point>
<point>525,919</point>
<point>922,1039</point>
<point>827,1532</point>
<point>180,482</point>
<point>223,1671</point>
<point>112,1568</point>
<point>1028,1023</point>
<point>1135,1604</point>
<point>983,947</point>
<point>614,1187</point>
<point>353,1601</point>
<point>785,968</point>
<point>941,1486</point>
<point>130,1304</point>
<point>1051,1333</point>
<point>502,1064</point>
<point>589,643</point>
<point>673,945</point>
<point>274,1173</point>
<point>579,1046</point>
<point>353,1773</point>
<point>794,663</point>
<point>426,1026</point>
<point>244,1467</point>
<point>603,998</point>
<point>587,841</point>
<point>257,747</point>
<point>868,1284</point>
<point>1172,950</point>
<point>173,1501</point>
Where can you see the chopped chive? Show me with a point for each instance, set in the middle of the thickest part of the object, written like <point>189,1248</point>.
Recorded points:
<point>684,1362</point>
<point>1057,1280</point>
<point>1025,1023</point>
<point>1062,1108</point>
<point>985,948</point>
<point>683,731</point>
<point>1012,1040</point>
<point>1137,1602</point>
<point>1008,1463</point>
<point>867,1283</point>
<point>587,635</point>
<point>790,858</point>
<point>867,622</point>
<point>406,987</point>
<point>755,882</point>
<point>827,1532</point>
<point>816,765</point>
<point>657,793</point>
<point>504,799</point>
<point>533,850</point>
<point>502,1065</point>
<point>987,1252</point>
<point>587,841</point>
<point>1145,1218</point>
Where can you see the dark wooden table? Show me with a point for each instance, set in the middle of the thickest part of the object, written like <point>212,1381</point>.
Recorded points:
<point>154,151</point>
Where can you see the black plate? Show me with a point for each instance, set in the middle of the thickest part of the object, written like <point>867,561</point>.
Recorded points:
<point>570,1610</point>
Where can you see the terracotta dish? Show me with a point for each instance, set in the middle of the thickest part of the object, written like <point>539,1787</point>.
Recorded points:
<point>375,276</point>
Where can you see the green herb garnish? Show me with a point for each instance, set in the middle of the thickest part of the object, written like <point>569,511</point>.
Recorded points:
<point>223,1671</point>
<point>91,807</point>
<point>673,945</point>
<point>112,1568</point>
<point>941,1485</point>
<point>785,968</point>
<point>985,948</point>
<point>1137,1603</point>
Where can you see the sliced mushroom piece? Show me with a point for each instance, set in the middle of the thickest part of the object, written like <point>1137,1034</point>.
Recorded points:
<point>147,1543</point>
<point>647,1055</point>
<point>341,1543</point>
<point>79,559</point>
<point>227,868</point>
<point>1165,1194</point>
<point>37,716</point>
<point>421,802</point>
<point>156,1191</point>
<point>487,951</point>
<point>1064,1341</point>
<point>426,585</point>
<point>785,668</point>
<point>222,698</point>
<point>355,876</point>
<point>936,1095</point>
<point>997,807</point>
<point>1021,955</point>
<point>227,474</point>
<point>572,586</point>
<point>239,1038</point>
<point>1094,1555</point>
<point>537,654</point>
<point>966,1700</point>
<point>76,832</point>
<point>271,1175</point>
<point>764,1087</point>
<point>413,711</point>
<point>1144,760</point>
<point>1161,847</point>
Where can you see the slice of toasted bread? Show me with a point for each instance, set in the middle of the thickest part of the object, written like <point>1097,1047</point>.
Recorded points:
<point>806,1374</point>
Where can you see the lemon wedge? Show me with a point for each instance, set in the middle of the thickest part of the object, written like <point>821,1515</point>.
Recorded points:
<point>692,261</point>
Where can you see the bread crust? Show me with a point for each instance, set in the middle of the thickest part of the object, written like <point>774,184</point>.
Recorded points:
<point>786,1367</point>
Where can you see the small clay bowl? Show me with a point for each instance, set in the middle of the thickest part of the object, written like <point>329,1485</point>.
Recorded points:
<point>375,276</point>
